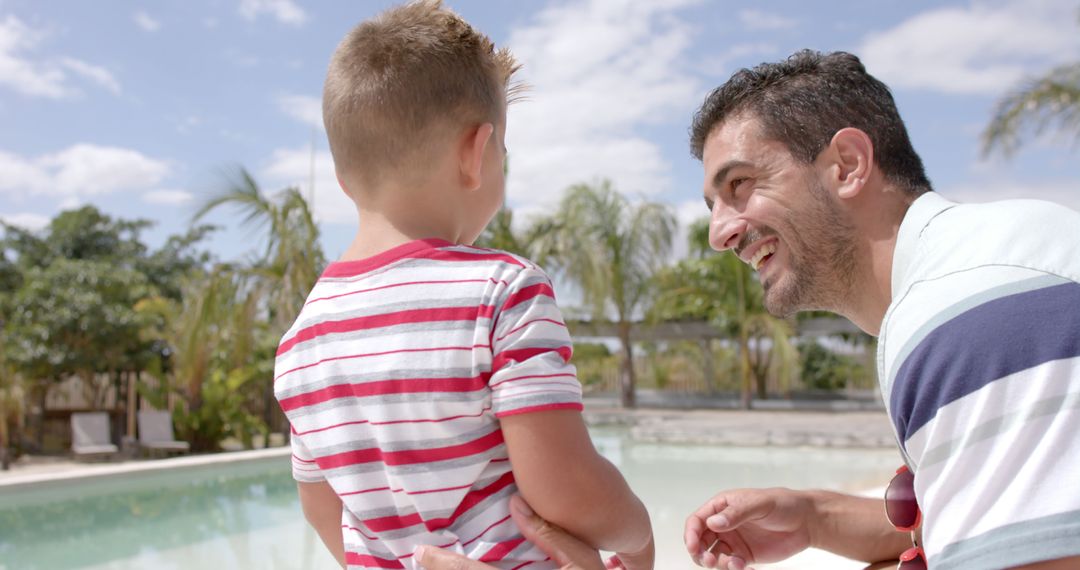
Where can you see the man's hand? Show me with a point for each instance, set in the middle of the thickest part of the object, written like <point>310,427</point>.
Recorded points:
<point>739,527</point>
<point>569,552</point>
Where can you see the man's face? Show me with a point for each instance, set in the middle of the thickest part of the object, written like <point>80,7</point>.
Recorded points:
<point>778,217</point>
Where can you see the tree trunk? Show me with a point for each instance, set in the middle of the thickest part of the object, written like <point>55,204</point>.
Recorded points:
<point>744,339</point>
<point>39,416</point>
<point>627,397</point>
<point>707,365</point>
<point>5,460</point>
<point>762,386</point>
<point>760,369</point>
<point>745,383</point>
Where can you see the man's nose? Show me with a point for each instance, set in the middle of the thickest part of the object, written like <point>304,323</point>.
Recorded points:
<point>725,232</point>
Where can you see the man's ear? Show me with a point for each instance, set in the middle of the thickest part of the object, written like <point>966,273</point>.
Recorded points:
<point>853,154</point>
<point>471,154</point>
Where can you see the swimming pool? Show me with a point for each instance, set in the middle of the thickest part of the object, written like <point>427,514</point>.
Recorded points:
<point>247,516</point>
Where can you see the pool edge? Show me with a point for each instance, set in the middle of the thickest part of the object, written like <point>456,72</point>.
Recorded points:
<point>41,480</point>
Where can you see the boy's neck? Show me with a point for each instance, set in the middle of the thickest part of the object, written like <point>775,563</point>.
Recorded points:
<point>381,231</point>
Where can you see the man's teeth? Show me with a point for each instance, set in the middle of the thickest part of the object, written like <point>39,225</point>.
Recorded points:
<point>768,249</point>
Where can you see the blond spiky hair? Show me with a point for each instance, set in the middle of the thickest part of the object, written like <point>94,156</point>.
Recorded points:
<point>399,80</point>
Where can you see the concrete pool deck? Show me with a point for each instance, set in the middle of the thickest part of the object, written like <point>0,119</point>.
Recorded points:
<point>753,428</point>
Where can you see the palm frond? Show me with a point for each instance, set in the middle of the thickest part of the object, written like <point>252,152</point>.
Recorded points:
<point>1049,103</point>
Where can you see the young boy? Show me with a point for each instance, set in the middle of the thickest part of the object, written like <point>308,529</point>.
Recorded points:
<point>426,380</point>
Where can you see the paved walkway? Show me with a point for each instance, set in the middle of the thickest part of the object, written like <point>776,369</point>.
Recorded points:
<point>750,428</point>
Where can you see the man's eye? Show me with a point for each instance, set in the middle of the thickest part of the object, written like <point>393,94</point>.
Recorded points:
<point>736,182</point>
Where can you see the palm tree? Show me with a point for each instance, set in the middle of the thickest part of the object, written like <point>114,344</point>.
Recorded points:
<point>1050,102</point>
<point>212,338</point>
<point>291,262</point>
<point>610,248</point>
<point>530,241</point>
<point>720,288</point>
<point>292,259</point>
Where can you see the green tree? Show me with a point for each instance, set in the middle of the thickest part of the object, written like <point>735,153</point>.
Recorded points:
<point>12,398</point>
<point>823,369</point>
<point>217,364</point>
<point>292,258</point>
<point>1036,105</point>
<point>1044,104</point>
<point>721,289</point>
<point>609,248</point>
<point>75,317</point>
<point>290,263</point>
<point>529,242</point>
<point>70,297</point>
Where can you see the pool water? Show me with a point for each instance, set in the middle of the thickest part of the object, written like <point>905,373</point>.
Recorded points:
<point>247,516</point>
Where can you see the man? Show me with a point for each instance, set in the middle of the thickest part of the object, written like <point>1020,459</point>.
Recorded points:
<point>810,178</point>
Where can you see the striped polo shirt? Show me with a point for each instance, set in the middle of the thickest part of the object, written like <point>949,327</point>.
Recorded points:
<point>979,361</point>
<point>393,378</point>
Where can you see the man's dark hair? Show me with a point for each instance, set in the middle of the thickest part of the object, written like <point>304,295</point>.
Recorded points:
<point>804,100</point>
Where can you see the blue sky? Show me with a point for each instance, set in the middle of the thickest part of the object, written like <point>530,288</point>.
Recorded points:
<point>136,107</point>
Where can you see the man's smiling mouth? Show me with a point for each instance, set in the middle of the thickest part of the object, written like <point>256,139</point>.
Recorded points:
<point>760,255</point>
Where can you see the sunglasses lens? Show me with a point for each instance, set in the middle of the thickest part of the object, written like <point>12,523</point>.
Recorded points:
<point>900,504</point>
<point>912,560</point>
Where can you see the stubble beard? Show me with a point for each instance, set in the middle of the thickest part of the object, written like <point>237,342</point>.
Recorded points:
<point>821,258</point>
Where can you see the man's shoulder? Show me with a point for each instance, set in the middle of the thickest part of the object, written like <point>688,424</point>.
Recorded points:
<point>1033,234</point>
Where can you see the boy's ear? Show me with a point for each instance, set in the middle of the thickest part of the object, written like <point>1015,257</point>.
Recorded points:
<point>471,154</point>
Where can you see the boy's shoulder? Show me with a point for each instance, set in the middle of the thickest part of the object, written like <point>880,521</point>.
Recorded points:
<point>500,255</point>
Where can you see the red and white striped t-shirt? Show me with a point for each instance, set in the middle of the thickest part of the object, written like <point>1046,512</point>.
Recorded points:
<point>393,377</point>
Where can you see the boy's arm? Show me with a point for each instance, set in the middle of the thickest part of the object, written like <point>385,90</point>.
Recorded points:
<point>564,479</point>
<point>322,509</point>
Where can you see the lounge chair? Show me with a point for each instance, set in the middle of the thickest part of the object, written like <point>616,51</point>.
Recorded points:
<point>90,435</point>
<point>156,432</point>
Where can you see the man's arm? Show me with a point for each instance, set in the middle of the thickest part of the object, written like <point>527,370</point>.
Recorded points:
<point>560,473</point>
<point>854,527</point>
<point>744,526</point>
<point>567,551</point>
<point>322,509</point>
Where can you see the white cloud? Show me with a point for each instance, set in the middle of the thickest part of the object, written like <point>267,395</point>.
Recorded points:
<point>168,197</point>
<point>983,48</point>
<point>758,20</point>
<point>686,212</point>
<point>97,74</point>
<point>285,11</point>
<point>146,21</point>
<point>719,63</point>
<point>303,108</point>
<point>23,75</point>
<point>293,167</point>
<point>187,124</point>
<point>26,221</point>
<point>37,77</point>
<point>80,170</point>
<point>1063,192</point>
<point>599,71</point>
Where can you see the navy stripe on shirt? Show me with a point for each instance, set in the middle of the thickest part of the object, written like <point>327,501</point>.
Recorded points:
<point>981,345</point>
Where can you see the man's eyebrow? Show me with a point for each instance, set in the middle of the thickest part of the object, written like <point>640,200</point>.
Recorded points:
<point>722,174</point>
